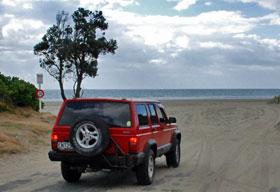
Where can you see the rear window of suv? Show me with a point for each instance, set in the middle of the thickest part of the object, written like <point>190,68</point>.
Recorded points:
<point>142,115</point>
<point>114,113</point>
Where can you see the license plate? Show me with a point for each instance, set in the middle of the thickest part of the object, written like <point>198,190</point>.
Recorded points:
<point>64,146</point>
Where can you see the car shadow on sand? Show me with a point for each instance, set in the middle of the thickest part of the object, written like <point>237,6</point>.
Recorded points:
<point>102,181</point>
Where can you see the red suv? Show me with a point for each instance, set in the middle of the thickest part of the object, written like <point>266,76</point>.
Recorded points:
<point>95,134</point>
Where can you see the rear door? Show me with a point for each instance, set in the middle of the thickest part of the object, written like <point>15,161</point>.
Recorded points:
<point>164,125</point>
<point>156,129</point>
<point>144,128</point>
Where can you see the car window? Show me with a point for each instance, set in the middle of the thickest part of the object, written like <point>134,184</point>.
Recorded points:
<point>142,114</point>
<point>161,113</point>
<point>153,114</point>
<point>113,113</point>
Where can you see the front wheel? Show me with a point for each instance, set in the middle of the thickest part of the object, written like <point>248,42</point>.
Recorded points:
<point>69,173</point>
<point>173,156</point>
<point>146,171</point>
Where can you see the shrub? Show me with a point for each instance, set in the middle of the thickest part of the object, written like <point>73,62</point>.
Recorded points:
<point>23,93</point>
<point>4,92</point>
<point>17,92</point>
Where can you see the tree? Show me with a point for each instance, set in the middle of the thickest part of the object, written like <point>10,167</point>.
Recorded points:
<point>53,50</point>
<point>73,50</point>
<point>87,45</point>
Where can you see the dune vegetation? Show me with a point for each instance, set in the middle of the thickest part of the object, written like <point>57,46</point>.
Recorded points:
<point>21,125</point>
<point>15,92</point>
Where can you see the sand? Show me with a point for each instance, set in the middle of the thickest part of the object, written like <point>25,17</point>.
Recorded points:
<point>22,128</point>
<point>226,146</point>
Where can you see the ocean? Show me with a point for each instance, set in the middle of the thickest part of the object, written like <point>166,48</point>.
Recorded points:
<point>169,94</point>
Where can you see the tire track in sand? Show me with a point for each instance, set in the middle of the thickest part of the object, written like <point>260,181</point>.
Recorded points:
<point>214,182</point>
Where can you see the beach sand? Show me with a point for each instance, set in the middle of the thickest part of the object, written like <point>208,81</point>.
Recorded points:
<point>227,145</point>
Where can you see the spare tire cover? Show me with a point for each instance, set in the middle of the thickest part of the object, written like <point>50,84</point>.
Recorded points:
<point>90,136</point>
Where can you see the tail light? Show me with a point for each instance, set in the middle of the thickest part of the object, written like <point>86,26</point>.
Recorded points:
<point>54,139</point>
<point>133,141</point>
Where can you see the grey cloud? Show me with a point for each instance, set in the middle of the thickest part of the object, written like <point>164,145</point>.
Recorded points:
<point>42,10</point>
<point>130,67</point>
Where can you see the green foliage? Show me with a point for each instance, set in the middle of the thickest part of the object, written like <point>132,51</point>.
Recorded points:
<point>54,50</point>
<point>17,92</point>
<point>73,50</point>
<point>4,91</point>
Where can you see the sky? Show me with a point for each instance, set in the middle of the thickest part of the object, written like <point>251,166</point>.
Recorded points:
<point>162,43</point>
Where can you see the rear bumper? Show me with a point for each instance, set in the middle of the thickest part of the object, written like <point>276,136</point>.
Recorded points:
<point>111,162</point>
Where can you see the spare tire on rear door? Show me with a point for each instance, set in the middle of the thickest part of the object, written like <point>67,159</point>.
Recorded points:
<point>90,136</point>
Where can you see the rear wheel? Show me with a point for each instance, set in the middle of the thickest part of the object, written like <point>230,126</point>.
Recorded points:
<point>146,171</point>
<point>173,156</point>
<point>69,173</point>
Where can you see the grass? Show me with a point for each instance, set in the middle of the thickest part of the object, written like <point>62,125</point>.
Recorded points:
<point>9,144</point>
<point>5,107</point>
<point>11,125</point>
<point>23,129</point>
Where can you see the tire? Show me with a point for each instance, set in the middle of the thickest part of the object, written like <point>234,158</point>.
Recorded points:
<point>146,171</point>
<point>173,156</point>
<point>90,137</point>
<point>68,174</point>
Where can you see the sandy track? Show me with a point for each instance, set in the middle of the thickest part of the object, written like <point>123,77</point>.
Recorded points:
<point>227,146</point>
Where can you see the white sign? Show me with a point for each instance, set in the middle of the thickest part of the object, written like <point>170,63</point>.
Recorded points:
<point>40,78</point>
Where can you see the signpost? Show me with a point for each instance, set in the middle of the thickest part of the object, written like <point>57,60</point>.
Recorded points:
<point>40,92</point>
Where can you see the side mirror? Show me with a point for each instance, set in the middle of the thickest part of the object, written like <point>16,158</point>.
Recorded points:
<point>172,120</point>
<point>162,120</point>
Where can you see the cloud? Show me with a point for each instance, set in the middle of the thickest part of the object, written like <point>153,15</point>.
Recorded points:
<point>107,4</point>
<point>184,4</point>
<point>174,31</point>
<point>271,19</point>
<point>12,3</point>
<point>268,4</point>
<point>214,72</point>
<point>211,44</point>
<point>25,4</point>
<point>211,49</point>
<point>16,25</point>
<point>157,61</point>
<point>270,43</point>
<point>182,42</point>
<point>21,34</point>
